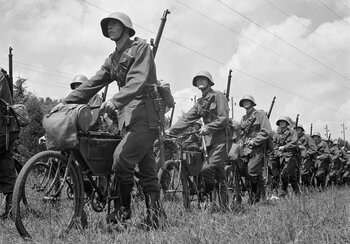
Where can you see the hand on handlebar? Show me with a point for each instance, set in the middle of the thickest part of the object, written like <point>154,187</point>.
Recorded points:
<point>203,131</point>
<point>108,107</point>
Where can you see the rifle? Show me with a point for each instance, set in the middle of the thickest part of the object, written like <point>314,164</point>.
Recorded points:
<point>311,129</point>
<point>296,121</point>
<point>329,137</point>
<point>155,44</point>
<point>271,107</point>
<point>228,84</point>
<point>10,81</point>
<point>172,115</point>
<point>158,100</point>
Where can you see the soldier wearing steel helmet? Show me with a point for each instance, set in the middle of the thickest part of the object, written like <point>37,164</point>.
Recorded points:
<point>132,66</point>
<point>286,143</point>
<point>212,107</point>
<point>257,130</point>
<point>96,100</point>
<point>322,160</point>
<point>307,148</point>
<point>338,160</point>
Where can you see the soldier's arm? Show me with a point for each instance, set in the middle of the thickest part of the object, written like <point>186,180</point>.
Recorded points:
<point>323,152</point>
<point>141,73</point>
<point>312,148</point>
<point>87,90</point>
<point>265,129</point>
<point>292,142</point>
<point>222,109</point>
<point>185,121</point>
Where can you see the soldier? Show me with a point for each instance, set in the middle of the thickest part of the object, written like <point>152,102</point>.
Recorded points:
<point>132,66</point>
<point>257,130</point>
<point>338,160</point>
<point>9,132</point>
<point>286,149</point>
<point>194,141</point>
<point>307,149</point>
<point>322,160</point>
<point>213,108</point>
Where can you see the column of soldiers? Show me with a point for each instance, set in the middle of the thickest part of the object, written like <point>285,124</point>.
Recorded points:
<point>294,155</point>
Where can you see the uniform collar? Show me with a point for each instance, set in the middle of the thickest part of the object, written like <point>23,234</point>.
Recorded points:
<point>207,92</point>
<point>122,44</point>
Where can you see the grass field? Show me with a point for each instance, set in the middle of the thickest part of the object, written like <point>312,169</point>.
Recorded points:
<point>316,217</point>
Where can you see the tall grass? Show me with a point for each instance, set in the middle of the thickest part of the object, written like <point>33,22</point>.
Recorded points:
<point>315,217</point>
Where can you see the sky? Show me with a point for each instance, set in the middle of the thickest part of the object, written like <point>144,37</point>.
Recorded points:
<point>298,51</point>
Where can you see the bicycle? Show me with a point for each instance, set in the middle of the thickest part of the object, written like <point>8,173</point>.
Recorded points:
<point>182,174</point>
<point>53,184</point>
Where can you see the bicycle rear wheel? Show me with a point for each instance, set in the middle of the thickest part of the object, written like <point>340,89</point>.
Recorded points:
<point>48,211</point>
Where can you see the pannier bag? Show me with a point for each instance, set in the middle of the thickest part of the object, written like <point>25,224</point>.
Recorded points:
<point>62,125</point>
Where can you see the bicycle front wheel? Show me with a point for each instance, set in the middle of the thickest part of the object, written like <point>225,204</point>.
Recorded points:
<point>49,211</point>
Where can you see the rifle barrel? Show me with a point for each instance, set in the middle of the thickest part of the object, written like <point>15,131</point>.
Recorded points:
<point>228,85</point>
<point>160,31</point>
<point>10,71</point>
<point>271,107</point>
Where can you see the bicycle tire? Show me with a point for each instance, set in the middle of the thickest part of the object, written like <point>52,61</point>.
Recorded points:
<point>49,212</point>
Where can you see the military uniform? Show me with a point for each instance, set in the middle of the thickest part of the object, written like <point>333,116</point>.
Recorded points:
<point>8,173</point>
<point>257,134</point>
<point>322,163</point>
<point>136,112</point>
<point>307,149</point>
<point>213,108</point>
<point>288,141</point>
<point>338,160</point>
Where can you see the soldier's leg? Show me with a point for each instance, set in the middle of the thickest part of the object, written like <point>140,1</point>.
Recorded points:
<point>7,177</point>
<point>214,170</point>
<point>255,169</point>
<point>284,179</point>
<point>133,148</point>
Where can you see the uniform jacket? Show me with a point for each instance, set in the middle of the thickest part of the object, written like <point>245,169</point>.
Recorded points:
<point>5,94</point>
<point>260,131</point>
<point>289,140</point>
<point>322,151</point>
<point>133,98</point>
<point>213,108</point>
<point>308,146</point>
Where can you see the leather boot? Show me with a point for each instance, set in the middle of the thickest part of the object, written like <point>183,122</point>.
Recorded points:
<point>155,217</point>
<point>122,210</point>
<point>260,194</point>
<point>8,207</point>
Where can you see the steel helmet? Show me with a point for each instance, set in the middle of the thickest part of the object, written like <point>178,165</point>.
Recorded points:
<point>300,126</point>
<point>205,74</point>
<point>123,18</point>
<point>78,80</point>
<point>283,118</point>
<point>247,97</point>
<point>316,134</point>
<point>335,142</point>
